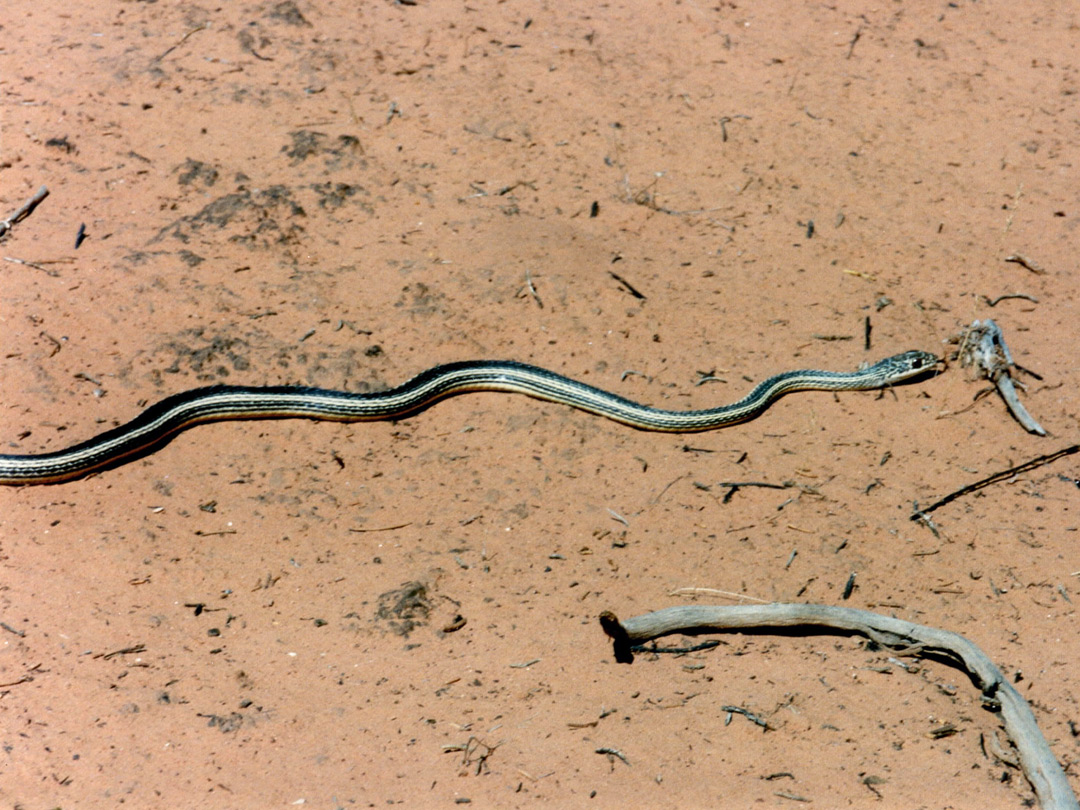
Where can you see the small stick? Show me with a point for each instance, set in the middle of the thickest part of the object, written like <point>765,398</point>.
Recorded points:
<point>1024,261</point>
<point>715,592</point>
<point>613,752</point>
<point>921,514</point>
<point>525,664</point>
<point>39,265</point>
<point>532,288</point>
<point>849,587</point>
<point>387,528</point>
<point>795,797</point>
<point>647,648</point>
<point>854,39</point>
<point>993,302</point>
<point>137,648</point>
<point>24,210</point>
<point>23,679</point>
<point>183,39</point>
<point>737,484</point>
<point>629,287</point>
<point>926,520</point>
<point>753,718</point>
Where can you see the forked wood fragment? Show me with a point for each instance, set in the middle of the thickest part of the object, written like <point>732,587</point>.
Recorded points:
<point>984,346</point>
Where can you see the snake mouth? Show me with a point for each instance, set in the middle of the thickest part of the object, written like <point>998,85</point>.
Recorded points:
<point>926,364</point>
<point>939,366</point>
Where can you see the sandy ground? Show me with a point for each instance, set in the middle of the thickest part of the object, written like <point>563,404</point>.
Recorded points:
<point>267,614</point>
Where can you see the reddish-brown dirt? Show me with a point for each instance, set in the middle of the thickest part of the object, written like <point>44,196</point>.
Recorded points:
<point>264,614</point>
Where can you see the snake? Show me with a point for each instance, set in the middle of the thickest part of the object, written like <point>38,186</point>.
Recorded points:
<point>159,422</point>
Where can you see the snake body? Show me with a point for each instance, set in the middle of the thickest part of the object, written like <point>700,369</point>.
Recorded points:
<point>160,421</point>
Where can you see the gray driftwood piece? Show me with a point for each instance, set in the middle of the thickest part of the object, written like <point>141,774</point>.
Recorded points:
<point>984,347</point>
<point>1039,764</point>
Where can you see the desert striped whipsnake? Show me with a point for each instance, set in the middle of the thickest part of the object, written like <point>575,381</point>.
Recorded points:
<point>156,424</point>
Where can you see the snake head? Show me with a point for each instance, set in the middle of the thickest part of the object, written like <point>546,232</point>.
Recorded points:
<point>909,364</point>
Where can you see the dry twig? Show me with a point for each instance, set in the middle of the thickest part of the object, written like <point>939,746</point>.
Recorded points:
<point>23,211</point>
<point>1003,475</point>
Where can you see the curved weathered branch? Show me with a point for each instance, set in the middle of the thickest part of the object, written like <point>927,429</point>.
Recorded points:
<point>1039,764</point>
